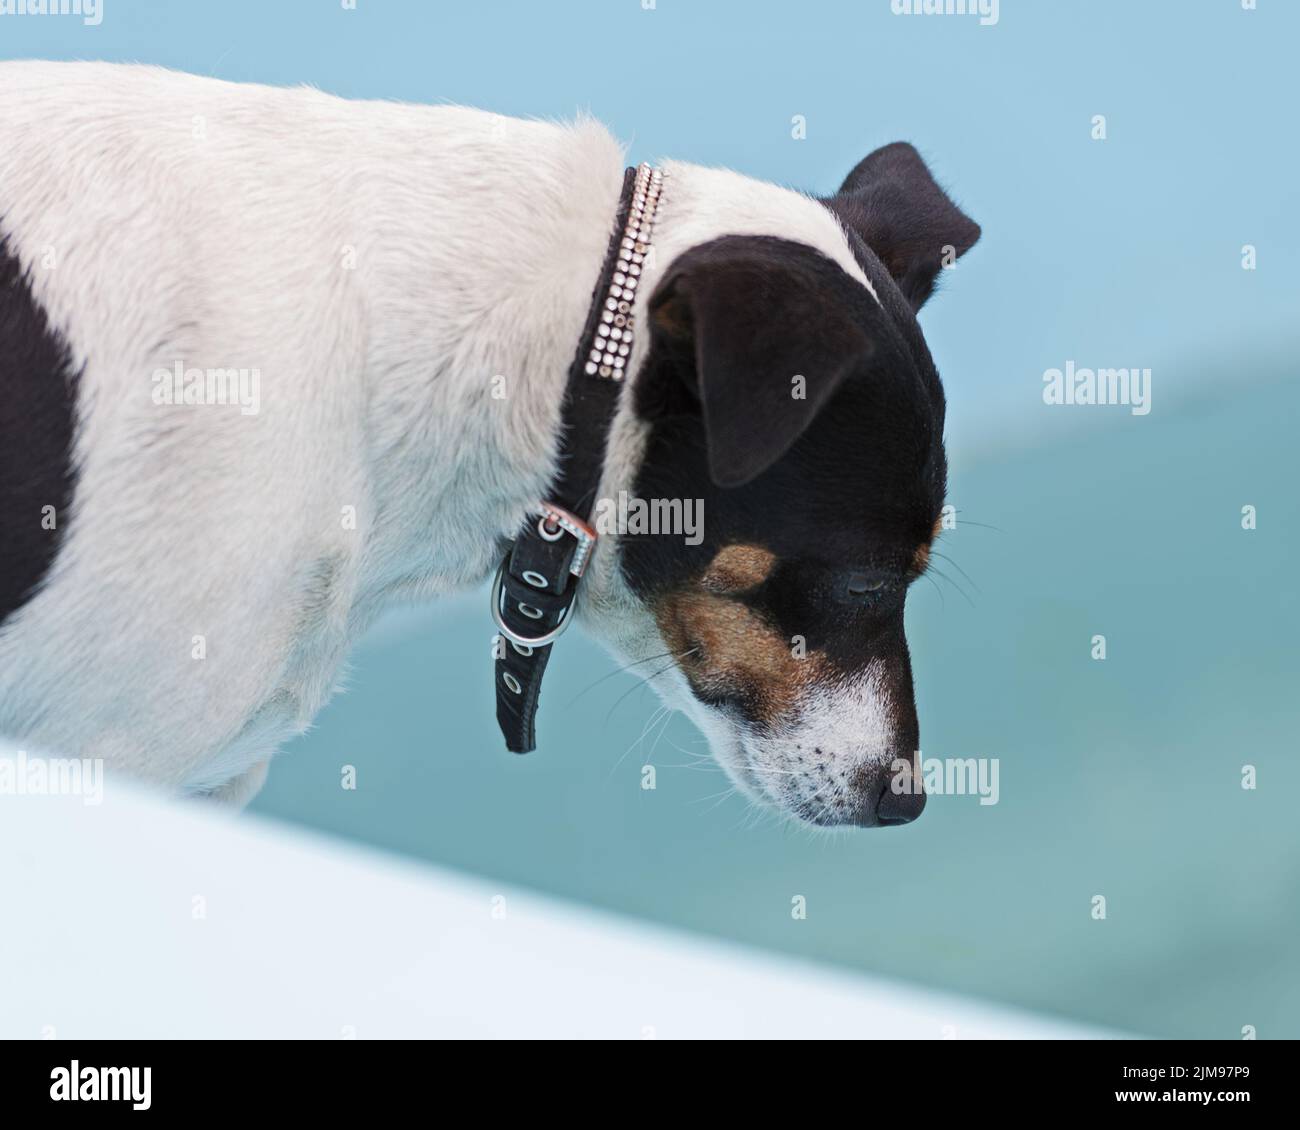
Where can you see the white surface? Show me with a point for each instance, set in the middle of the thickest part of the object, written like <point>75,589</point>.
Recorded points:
<point>307,937</point>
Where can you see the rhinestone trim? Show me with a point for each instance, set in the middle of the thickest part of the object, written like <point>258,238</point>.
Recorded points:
<point>614,334</point>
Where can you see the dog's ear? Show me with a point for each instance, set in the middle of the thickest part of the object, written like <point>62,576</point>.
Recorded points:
<point>893,203</point>
<point>756,333</point>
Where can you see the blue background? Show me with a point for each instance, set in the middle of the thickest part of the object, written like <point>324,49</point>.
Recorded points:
<point>1120,777</point>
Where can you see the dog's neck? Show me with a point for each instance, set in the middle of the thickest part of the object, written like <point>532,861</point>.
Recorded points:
<point>476,288</point>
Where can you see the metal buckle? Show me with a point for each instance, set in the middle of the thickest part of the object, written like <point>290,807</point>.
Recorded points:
<point>555,522</point>
<point>498,593</point>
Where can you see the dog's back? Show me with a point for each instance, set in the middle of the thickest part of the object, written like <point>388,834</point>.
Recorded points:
<point>179,583</point>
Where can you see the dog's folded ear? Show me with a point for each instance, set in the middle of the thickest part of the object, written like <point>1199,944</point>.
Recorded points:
<point>893,203</point>
<point>756,333</point>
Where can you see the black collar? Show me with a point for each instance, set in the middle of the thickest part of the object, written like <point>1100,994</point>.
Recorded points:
<point>532,597</point>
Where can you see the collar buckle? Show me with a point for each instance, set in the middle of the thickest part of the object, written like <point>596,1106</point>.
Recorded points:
<point>555,522</point>
<point>523,644</point>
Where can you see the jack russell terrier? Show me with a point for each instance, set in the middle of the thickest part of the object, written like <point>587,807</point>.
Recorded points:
<point>271,361</point>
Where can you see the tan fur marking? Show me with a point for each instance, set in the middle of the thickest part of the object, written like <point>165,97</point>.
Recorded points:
<point>735,649</point>
<point>738,567</point>
<point>921,558</point>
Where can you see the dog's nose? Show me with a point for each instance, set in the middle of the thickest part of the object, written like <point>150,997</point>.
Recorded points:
<point>899,807</point>
<point>886,798</point>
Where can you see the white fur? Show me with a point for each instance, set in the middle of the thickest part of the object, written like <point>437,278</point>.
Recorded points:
<point>164,217</point>
<point>836,734</point>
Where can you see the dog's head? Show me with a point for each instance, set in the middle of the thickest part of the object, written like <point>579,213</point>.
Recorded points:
<point>786,389</point>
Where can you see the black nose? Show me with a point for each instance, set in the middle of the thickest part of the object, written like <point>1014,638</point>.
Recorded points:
<point>899,807</point>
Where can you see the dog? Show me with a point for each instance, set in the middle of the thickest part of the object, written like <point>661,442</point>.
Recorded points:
<point>398,290</point>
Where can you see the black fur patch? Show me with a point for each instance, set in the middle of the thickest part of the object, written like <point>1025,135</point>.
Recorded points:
<point>37,406</point>
<point>851,479</point>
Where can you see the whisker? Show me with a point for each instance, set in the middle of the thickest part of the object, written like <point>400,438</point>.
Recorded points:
<point>641,737</point>
<point>717,797</point>
<point>944,577</point>
<point>617,671</point>
<point>979,525</point>
<point>668,718</point>
<point>835,795</point>
<point>752,817</point>
<point>705,756</point>
<point>943,556</point>
<point>643,683</point>
<point>943,603</point>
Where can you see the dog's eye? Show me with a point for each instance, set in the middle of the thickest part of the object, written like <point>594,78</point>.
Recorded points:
<point>867,586</point>
<point>861,587</point>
